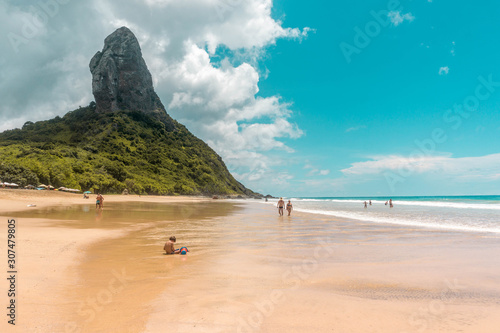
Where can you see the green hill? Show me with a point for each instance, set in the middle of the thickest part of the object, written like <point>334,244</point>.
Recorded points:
<point>111,152</point>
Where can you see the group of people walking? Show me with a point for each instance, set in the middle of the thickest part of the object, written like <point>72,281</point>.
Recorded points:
<point>289,206</point>
<point>387,202</point>
<point>281,205</point>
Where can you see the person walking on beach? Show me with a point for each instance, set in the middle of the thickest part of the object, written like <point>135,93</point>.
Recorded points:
<point>365,205</point>
<point>289,207</point>
<point>99,202</point>
<point>390,203</point>
<point>170,249</point>
<point>280,206</point>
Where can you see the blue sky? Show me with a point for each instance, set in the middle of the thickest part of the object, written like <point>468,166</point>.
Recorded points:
<point>316,99</point>
<point>390,94</point>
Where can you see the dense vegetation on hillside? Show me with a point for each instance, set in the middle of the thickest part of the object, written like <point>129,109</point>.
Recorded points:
<point>110,152</point>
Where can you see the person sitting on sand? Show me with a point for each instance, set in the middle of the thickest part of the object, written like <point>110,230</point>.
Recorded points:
<point>280,206</point>
<point>169,247</point>
<point>289,207</point>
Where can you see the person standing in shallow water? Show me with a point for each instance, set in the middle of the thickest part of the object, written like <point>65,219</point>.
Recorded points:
<point>365,204</point>
<point>280,206</point>
<point>289,207</point>
<point>98,201</point>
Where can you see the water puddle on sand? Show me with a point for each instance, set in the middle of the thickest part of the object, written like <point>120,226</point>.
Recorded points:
<point>119,277</point>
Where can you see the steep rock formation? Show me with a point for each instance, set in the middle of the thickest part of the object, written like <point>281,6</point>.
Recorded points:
<point>121,80</point>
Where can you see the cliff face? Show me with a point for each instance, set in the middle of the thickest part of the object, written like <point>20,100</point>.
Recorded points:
<point>121,80</point>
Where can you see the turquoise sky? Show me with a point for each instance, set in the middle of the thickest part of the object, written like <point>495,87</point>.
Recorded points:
<point>395,90</point>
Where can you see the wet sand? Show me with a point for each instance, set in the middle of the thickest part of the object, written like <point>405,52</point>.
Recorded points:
<point>248,271</point>
<point>53,241</point>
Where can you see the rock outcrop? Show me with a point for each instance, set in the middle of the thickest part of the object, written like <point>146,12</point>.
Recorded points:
<point>121,80</point>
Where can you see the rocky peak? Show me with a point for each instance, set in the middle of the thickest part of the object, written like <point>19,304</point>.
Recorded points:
<point>121,80</point>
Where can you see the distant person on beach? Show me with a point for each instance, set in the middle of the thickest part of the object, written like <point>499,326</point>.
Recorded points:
<point>386,203</point>
<point>170,249</point>
<point>280,206</point>
<point>390,203</point>
<point>289,207</point>
<point>370,202</point>
<point>99,202</point>
<point>365,204</point>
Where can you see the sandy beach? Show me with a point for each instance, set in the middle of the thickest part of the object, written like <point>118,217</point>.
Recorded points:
<point>82,270</point>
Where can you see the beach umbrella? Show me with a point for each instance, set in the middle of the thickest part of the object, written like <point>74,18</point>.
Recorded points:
<point>87,192</point>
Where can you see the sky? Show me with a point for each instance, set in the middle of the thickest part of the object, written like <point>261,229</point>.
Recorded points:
<point>324,98</point>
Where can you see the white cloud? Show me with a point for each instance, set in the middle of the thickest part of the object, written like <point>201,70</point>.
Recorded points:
<point>444,70</point>
<point>355,128</point>
<point>204,90</point>
<point>397,18</point>
<point>315,171</point>
<point>462,168</point>
<point>220,104</point>
<point>399,175</point>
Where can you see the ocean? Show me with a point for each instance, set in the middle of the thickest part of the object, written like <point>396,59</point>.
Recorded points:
<point>459,213</point>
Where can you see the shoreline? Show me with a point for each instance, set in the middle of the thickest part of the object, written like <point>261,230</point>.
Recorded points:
<point>443,215</point>
<point>248,270</point>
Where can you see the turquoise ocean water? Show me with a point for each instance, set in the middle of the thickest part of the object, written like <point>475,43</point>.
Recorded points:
<point>459,213</point>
